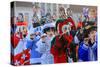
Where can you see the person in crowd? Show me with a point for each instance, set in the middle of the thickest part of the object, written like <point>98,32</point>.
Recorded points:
<point>93,43</point>
<point>44,44</point>
<point>88,48</point>
<point>62,47</point>
<point>83,54</point>
<point>20,17</point>
<point>32,39</point>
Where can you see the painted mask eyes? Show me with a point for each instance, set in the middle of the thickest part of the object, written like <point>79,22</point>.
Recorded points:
<point>65,28</point>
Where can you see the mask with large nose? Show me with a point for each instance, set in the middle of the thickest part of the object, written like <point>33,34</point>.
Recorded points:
<point>65,26</point>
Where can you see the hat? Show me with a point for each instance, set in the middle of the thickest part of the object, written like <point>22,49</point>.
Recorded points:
<point>49,25</point>
<point>43,35</point>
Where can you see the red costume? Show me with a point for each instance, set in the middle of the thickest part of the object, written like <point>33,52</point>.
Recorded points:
<point>61,45</point>
<point>23,57</point>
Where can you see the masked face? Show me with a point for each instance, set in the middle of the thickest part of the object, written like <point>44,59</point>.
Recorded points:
<point>20,17</point>
<point>62,13</point>
<point>66,28</point>
<point>85,12</point>
<point>32,36</point>
<point>69,12</point>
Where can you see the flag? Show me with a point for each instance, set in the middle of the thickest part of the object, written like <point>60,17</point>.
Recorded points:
<point>22,58</point>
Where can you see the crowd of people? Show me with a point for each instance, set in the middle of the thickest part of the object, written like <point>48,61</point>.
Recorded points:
<point>50,40</point>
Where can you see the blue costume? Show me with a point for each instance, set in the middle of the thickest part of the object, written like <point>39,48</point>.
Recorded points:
<point>34,55</point>
<point>87,53</point>
<point>31,44</point>
<point>83,52</point>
